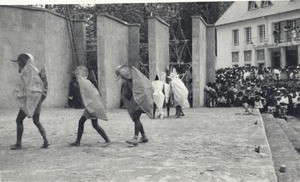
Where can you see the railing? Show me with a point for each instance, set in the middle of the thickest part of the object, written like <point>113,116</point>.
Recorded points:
<point>268,42</point>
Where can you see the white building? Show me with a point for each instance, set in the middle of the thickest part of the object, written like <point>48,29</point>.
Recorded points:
<point>245,34</point>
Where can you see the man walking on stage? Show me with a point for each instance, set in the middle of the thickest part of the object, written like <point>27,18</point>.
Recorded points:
<point>30,92</point>
<point>136,95</point>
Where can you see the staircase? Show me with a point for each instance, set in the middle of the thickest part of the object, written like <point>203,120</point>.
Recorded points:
<point>284,141</point>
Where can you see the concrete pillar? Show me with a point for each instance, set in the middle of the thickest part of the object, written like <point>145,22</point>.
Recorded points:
<point>211,53</point>
<point>134,45</point>
<point>199,49</point>
<point>241,58</point>
<point>298,48</point>
<point>268,57</point>
<point>112,51</point>
<point>158,45</point>
<point>282,57</point>
<point>79,32</point>
<point>254,58</point>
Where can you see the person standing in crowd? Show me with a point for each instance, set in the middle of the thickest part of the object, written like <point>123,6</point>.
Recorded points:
<point>294,34</point>
<point>137,95</point>
<point>180,93</point>
<point>286,29</point>
<point>94,108</point>
<point>30,92</point>
<point>158,97</point>
<point>74,99</point>
<point>276,35</point>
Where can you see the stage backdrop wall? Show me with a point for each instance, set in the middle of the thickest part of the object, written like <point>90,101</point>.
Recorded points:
<point>44,34</point>
<point>117,44</point>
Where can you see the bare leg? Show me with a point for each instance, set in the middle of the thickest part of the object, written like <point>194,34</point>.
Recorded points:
<point>36,121</point>
<point>80,131</point>
<point>100,130</point>
<point>168,108</point>
<point>154,109</point>
<point>19,121</point>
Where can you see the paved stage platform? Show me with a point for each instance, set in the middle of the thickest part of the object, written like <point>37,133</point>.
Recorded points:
<point>208,144</point>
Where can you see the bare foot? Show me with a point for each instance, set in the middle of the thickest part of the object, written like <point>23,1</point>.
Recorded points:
<point>45,145</point>
<point>15,147</point>
<point>75,144</point>
<point>106,144</point>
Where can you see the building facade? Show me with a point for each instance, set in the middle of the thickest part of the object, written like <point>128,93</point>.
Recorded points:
<point>254,33</point>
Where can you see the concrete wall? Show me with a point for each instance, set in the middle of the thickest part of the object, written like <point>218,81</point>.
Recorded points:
<point>158,41</point>
<point>113,48</point>
<point>199,50</point>
<point>203,49</point>
<point>44,35</point>
<point>225,38</point>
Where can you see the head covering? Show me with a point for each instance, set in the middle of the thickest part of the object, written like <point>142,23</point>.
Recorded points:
<point>23,59</point>
<point>123,71</point>
<point>173,74</point>
<point>82,71</point>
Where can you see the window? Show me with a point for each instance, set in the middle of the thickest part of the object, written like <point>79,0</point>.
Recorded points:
<point>266,3</point>
<point>291,24</point>
<point>277,26</point>
<point>247,56</point>
<point>235,37</point>
<point>260,55</point>
<point>262,33</point>
<point>248,35</point>
<point>252,5</point>
<point>235,57</point>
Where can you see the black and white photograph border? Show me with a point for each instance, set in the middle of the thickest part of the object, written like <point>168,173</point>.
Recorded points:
<point>150,91</point>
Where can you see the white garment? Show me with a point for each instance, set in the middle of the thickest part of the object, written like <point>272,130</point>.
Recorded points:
<point>246,75</point>
<point>284,100</point>
<point>180,92</point>
<point>167,89</point>
<point>158,96</point>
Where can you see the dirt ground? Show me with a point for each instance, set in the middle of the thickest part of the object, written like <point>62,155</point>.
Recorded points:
<point>205,145</point>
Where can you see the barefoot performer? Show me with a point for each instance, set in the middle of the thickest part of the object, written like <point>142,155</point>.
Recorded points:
<point>93,106</point>
<point>136,95</point>
<point>30,92</point>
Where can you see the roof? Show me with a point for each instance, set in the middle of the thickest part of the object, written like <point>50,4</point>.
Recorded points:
<point>238,11</point>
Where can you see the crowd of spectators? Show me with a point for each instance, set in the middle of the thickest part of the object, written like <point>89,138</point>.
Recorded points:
<point>275,91</point>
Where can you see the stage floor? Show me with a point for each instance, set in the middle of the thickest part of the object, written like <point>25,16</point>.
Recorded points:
<point>208,144</point>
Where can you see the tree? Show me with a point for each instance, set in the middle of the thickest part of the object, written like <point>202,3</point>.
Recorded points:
<point>172,13</point>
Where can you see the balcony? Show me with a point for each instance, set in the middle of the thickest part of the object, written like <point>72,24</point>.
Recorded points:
<point>268,42</point>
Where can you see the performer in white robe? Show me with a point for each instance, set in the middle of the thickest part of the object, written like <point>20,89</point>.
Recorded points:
<point>158,96</point>
<point>180,93</point>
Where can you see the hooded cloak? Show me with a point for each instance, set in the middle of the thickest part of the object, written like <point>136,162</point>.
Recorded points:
<point>90,96</point>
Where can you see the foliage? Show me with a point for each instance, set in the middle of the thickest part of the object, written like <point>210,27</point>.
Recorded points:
<point>138,13</point>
